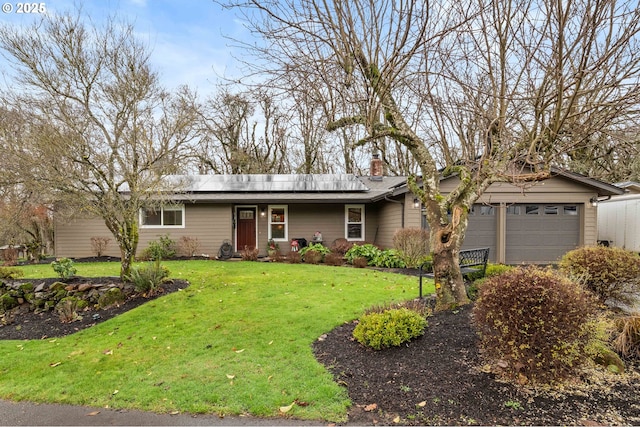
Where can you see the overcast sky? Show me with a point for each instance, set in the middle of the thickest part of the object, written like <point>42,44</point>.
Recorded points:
<point>187,37</point>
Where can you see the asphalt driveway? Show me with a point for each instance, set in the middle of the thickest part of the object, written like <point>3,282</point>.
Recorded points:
<point>36,414</point>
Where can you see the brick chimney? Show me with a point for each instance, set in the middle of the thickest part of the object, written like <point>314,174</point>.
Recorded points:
<point>376,171</point>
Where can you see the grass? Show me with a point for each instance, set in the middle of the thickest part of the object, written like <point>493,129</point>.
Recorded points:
<point>238,340</point>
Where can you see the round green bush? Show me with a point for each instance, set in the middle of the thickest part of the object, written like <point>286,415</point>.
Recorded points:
<point>389,328</point>
<point>388,258</point>
<point>534,323</point>
<point>612,274</point>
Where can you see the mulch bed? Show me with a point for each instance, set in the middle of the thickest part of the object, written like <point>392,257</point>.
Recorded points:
<point>438,379</point>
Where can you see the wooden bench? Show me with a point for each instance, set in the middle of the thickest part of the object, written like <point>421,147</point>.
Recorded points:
<point>471,261</point>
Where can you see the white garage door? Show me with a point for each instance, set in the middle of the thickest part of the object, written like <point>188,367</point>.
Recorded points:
<point>541,233</point>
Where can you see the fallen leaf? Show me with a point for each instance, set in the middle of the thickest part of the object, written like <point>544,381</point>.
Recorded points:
<point>174,413</point>
<point>422,404</point>
<point>240,351</point>
<point>53,365</point>
<point>107,351</point>
<point>396,420</point>
<point>231,376</point>
<point>93,414</point>
<point>285,409</point>
<point>116,391</point>
<point>371,407</point>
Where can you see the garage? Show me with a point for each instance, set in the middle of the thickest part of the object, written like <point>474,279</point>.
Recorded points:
<point>482,229</point>
<point>541,233</point>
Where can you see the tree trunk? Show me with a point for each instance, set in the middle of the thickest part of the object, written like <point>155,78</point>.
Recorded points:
<point>445,246</point>
<point>126,234</point>
<point>450,290</point>
<point>128,247</point>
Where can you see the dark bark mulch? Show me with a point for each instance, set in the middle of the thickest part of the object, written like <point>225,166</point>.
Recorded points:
<point>438,379</point>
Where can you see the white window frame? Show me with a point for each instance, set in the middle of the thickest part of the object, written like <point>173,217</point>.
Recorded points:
<point>270,209</point>
<point>346,223</point>
<point>161,211</point>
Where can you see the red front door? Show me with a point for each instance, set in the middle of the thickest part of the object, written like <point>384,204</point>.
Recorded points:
<point>246,230</point>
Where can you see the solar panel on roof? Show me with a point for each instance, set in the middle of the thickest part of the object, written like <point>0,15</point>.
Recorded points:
<point>276,183</point>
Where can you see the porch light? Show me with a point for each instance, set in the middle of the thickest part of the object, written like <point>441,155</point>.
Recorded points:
<point>593,201</point>
<point>416,203</point>
<point>263,212</point>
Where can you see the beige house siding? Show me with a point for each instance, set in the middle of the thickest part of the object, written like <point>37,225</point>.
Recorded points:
<point>413,214</point>
<point>73,237</point>
<point>390,220</point>
<point>210,224</point>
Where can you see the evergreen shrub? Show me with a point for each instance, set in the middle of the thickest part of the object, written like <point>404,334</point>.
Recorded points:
<point>149,277</point>
<point>389,328</point>
<point>612,274</point>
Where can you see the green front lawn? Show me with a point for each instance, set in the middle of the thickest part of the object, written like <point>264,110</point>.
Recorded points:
<point>238,340</point>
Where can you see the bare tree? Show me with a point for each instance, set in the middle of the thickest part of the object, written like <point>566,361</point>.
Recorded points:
<point>488,92</point>
<point>612,157</point>
<point>242,133</point>
<point>100,133</point>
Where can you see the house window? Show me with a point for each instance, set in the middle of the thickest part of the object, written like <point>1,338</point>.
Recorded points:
<point>531,209</point>
<point>354,222</point>
<point>165,216</point>
<point>478,209</point>
<point>570,210</point>
<point>513,210</point>
<point>551,210</point>
<point>278,220</point>
<point>486,210</point>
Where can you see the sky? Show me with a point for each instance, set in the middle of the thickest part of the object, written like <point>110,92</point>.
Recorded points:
<point>186,37</point>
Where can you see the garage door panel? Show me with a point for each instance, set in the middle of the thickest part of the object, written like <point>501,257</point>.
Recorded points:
<point>541,233</point>
<point>481,230</point>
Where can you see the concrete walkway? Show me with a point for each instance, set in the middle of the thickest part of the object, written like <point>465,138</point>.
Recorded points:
<point>36,414</point>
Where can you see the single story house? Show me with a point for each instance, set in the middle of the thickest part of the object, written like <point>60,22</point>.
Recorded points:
<point>533,226</point>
